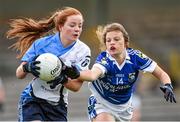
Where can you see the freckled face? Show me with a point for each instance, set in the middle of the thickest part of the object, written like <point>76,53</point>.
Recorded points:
<point>72,28</point>
<point>115,42</point>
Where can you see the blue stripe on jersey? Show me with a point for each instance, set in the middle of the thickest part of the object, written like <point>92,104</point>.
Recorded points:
<point>117,84</point>
<point>27,91</point>
<point>51,44</point>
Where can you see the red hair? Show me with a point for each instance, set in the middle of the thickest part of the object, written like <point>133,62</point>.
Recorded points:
<point>28,30</point>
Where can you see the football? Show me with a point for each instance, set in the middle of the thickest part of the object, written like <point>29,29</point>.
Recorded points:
<point>50,66</point>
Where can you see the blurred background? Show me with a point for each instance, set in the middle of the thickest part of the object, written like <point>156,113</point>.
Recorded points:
<point>153,26</point>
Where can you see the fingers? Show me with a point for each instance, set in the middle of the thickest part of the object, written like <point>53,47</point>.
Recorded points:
<point>167,96</point>
<point>36,62</point>
<point>54,83</point>
<point>37,68</point>
<point>49,82</point>
<point>52,86</point>
<point>170,97</point>
<point>168,93</point>
<point>34,65</point>
<point>35,73</point>
<point>174,99</point>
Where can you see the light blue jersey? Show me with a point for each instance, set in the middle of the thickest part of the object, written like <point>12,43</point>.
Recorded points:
<point>116,85</point>
<point>51,44</point>
<point>78,53</point>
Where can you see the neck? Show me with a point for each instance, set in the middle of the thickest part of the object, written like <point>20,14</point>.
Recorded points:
<point>120,57</point>
<point>65,42</point>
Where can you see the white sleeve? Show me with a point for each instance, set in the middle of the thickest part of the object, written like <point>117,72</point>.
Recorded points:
<point>84,59</point>
<point>101,67</point>
<point>151,67</point>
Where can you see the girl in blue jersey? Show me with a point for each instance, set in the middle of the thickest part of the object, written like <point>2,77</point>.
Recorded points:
<point>114,73</point>
<point>40,100</point>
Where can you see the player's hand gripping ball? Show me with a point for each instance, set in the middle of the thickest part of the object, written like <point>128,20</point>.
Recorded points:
<point>50,66</point>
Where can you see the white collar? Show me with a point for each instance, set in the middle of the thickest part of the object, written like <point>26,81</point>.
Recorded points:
<point>127,58</point>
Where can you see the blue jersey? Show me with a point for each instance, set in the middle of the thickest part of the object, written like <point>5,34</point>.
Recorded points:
<point>116,85</point>
<point>78,53</point>
<point>51,44</point>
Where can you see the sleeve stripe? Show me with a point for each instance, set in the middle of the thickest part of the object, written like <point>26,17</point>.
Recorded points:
<point>146,65</point>
<point>100,67</point>
<point>151,67</point>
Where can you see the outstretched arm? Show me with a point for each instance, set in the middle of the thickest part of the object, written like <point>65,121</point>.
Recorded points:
<point>90,75</point>
<point>161,75</point>
<point>167,88</point>
<point>85,75</point>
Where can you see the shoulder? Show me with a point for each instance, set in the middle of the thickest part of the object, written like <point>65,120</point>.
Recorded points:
<point>133,53</point>
<point>44,41</point>
<point>103,54</point>
<point>82,48</point>
<point>47,40</point>
<point>82,45</point>
<point>141,61</point>
<point>102,57</point>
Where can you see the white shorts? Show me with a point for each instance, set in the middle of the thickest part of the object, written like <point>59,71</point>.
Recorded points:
<point>121,113</point>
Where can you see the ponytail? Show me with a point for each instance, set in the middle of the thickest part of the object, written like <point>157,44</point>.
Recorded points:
<point>27,31</point>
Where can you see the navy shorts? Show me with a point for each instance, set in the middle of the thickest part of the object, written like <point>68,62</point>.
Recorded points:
<point>32,108</point>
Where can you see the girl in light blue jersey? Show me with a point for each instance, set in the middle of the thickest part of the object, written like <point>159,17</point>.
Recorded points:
<point>59,35</point>
<point>114,73</point>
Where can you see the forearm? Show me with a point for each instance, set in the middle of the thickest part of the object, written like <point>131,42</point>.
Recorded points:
<point>73,84</point>
<point>167,88</point>
<point>161,75</point>
<point>165,78</point>
<point>87,75</point>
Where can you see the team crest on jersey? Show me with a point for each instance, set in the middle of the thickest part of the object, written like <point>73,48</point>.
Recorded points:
<point>103,61</point>
<point>141,55</point>
<point>132,77</point>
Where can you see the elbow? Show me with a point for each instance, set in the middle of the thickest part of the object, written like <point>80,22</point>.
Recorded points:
<point>75,89</point>
<point>74,85</point>
<point>20,75</point>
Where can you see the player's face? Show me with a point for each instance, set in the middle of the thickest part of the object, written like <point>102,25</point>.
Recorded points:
<point>115,42</point>
<point>72,28</point>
